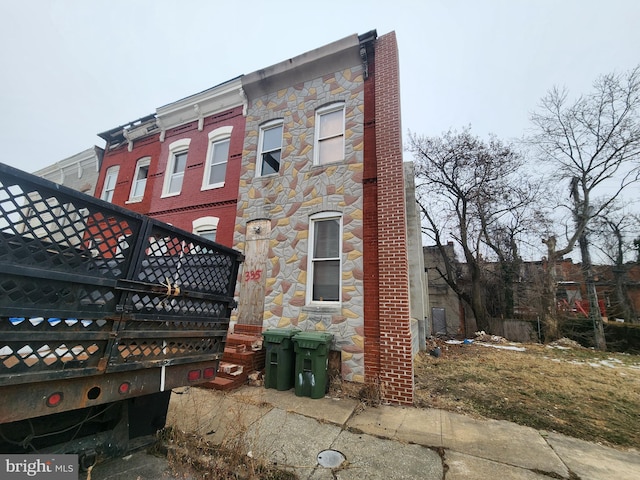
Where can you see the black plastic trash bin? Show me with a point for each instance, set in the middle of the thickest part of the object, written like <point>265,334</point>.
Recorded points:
<point>312,358</point>
<point>278,369</point>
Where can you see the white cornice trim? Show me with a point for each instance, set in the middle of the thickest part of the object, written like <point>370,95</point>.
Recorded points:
<point>86,157</point>
<point>201,105</point>
<point>134,132</point>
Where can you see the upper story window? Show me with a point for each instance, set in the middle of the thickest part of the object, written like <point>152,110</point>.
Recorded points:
<point>206,227</point>
<point>174,175</point>
<point>325,253</point>
<point>329,144</point>
<point>217,158</point>
<point>140,179</point>
<point>110,180</point>
<point>269,148</point>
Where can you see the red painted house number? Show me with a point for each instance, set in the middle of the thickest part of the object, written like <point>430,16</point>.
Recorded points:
<point>253,275</point>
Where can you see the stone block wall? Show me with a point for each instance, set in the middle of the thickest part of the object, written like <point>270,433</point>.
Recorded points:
<point>300,190</point>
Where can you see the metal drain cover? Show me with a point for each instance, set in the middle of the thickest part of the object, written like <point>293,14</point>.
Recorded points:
<point>330,458</point>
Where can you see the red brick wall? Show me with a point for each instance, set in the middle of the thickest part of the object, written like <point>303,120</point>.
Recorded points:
<point>183,218</point>
<point>370,232</point>
<point>147,147</point>
<point>192,203</point>
<point>396,359</point>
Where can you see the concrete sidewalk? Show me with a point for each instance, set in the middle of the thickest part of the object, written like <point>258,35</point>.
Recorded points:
<point>389,442</point>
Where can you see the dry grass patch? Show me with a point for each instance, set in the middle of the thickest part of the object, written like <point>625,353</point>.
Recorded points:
<point>209,438</point>
<point>579,392</point>
<point>369,394</point>
<point>192,456</point>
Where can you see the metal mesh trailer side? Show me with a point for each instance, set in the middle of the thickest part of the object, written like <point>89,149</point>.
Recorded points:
<point>90,291</point>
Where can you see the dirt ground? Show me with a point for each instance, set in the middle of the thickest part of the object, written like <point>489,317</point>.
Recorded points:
<point>560,387</point>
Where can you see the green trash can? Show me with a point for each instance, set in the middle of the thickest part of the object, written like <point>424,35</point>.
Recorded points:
<point>278,369</point>
<point>312,359</point>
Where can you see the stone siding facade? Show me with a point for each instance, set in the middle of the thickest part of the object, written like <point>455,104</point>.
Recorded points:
<point>296,192</point>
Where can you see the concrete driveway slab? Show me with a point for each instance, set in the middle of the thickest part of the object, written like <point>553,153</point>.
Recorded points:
<point>500,441</point>
<point>327,409</point>
<point>495,440</point>
<point>380,459</point>
<point>591,461</point>
<point>467,467</point>
<point>421,426</point>
<point>381,421</point>
<point>290,440</point>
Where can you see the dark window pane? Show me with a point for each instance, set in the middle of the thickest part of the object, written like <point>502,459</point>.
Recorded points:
<point>208,234</point>
<point>330,150</point>
<point>272,139</point>
<point>138,190</point>
<point>180,162</point>
<point>326,281</point>
<point>331,124</point>
<point>143,172</point>
<point>218,173</point>
<point>270,162</point>
<point>326,240</point>
<point>220,152</point>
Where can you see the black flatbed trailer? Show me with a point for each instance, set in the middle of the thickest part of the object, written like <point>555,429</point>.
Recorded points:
<point>102,312</point>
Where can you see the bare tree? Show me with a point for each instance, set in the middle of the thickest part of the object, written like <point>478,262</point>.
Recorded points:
<point>593,145</point>
<point>506,236</point>
<point>467,189</point>
<point>614,231</point>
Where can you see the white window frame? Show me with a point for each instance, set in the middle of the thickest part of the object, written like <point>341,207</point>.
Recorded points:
<point>110,181</point>
<point>143,162</point>
<point>328,109</point>
<point>175,148</point>
<point>215,138</point>
<point>311,261</point>
<point>263,128</point>
<point>205,224</point>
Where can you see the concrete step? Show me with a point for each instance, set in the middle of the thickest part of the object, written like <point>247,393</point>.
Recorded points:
<point>226,382</point>
<point>248,329</point>
<point>230,368</point>
<point>243,355</point>
<point>251,342</point>
<point>248,359</point>
<point>220,383</point>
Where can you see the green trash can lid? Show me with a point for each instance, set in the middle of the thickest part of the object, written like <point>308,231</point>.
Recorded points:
<point>276,335</point>
<point>312,339</point>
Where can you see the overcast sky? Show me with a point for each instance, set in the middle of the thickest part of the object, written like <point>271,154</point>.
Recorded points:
<point>74,68</point>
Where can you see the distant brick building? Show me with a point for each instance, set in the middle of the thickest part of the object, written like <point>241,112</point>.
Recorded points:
<point>451,316</point>
<point>448,314</point>
<point>572,294</point>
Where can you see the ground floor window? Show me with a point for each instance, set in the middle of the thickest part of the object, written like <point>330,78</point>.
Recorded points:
<point>325,265</point>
